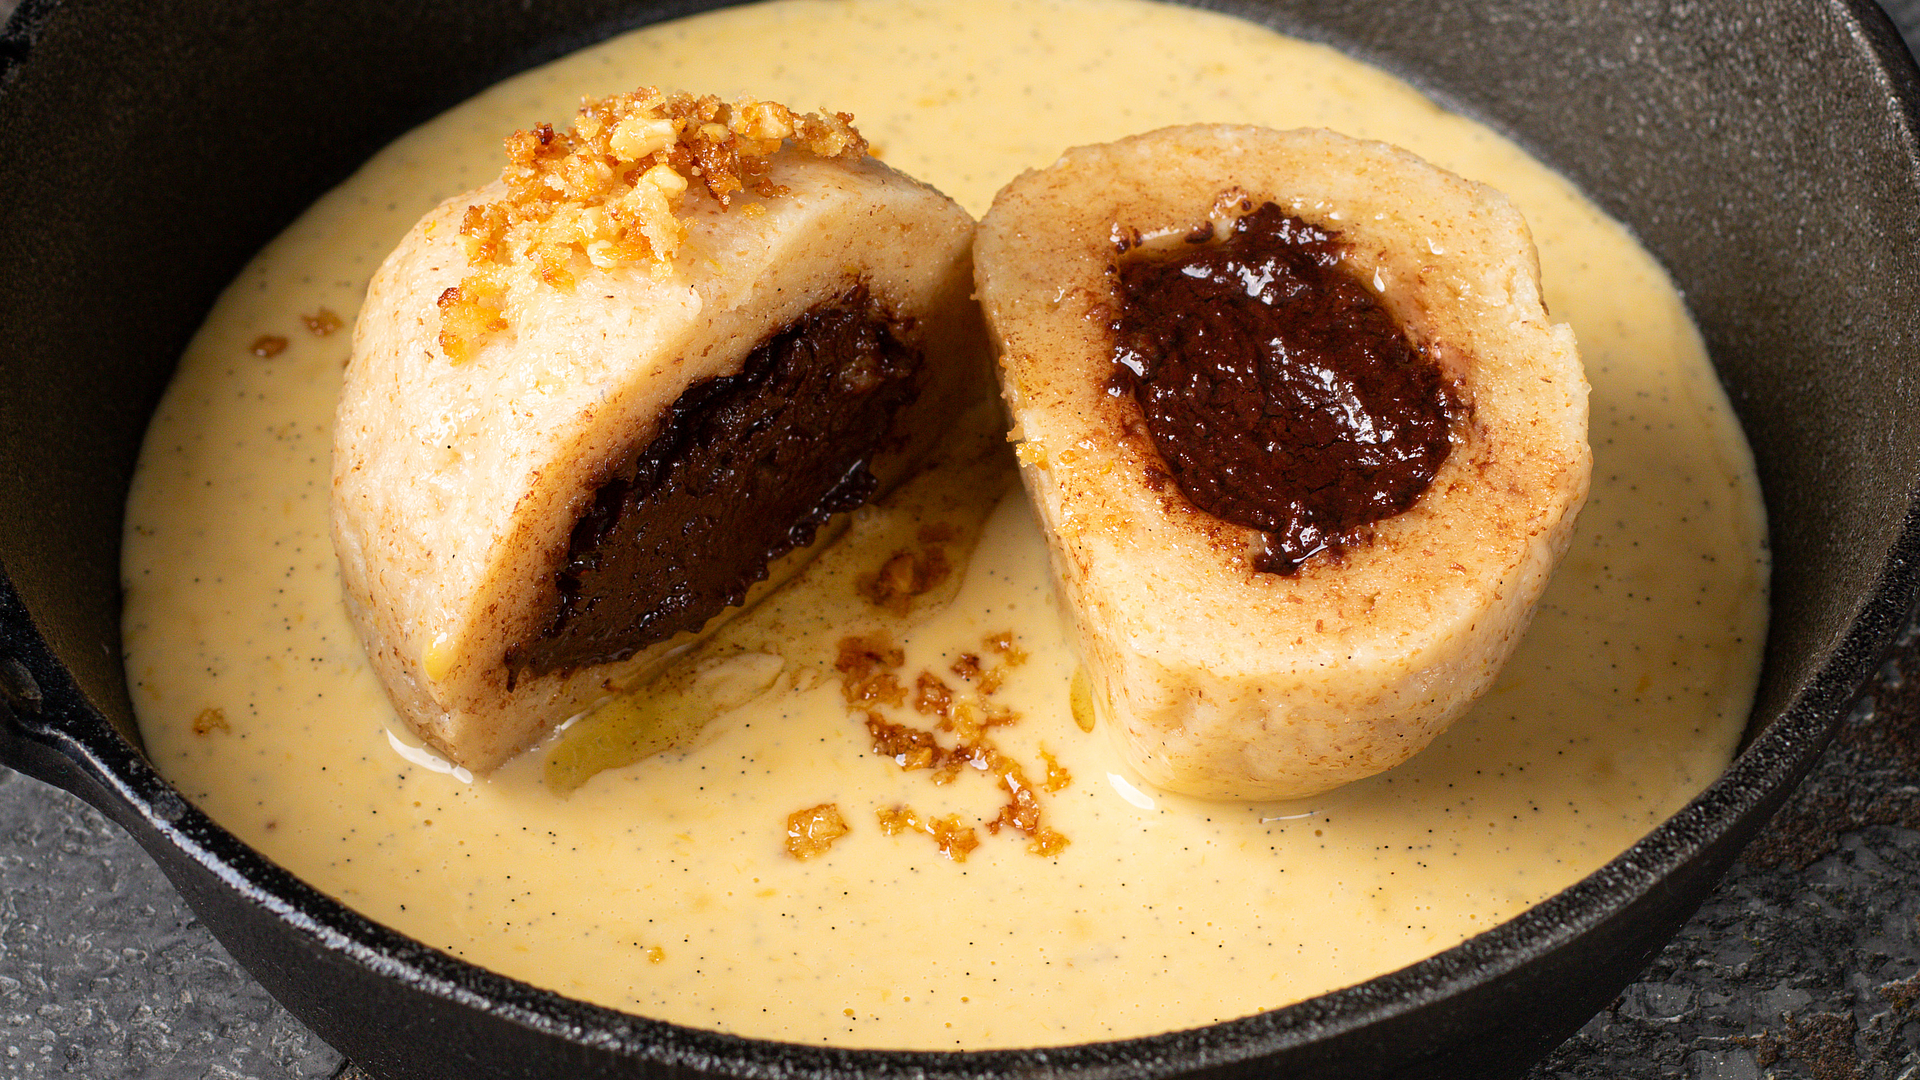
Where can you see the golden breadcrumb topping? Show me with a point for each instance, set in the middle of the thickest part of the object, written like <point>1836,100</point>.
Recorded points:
<point>607,192</point>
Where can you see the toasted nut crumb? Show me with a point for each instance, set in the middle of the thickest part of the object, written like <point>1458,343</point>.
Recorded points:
<point>1002,644</point>
<point>904,576</point>
<point>932,697</point>
<point>881,687</point>
<point>321,323</point>
<point>860,657</point>
<point>1047,842</point>
<point>1058,777</point>
<point>911,748</point>
<point>954,840</point>
<point>209,721</point>
<point>812,831</point>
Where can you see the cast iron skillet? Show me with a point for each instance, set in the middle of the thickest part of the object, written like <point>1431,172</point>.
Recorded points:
<point>1765,151</point>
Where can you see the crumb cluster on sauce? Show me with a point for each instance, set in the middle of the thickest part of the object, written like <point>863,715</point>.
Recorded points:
<point>868,681</point>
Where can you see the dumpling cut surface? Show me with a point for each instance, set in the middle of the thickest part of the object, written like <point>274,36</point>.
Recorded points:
<point>1280,592</point>
<point>554,467</point>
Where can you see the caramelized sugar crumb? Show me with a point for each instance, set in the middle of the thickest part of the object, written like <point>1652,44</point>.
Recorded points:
<point>988,679</point>
<point>1047,842</point>
<point>469,312</point>
<point>879,688</point>
<point>954,839</point>
<point>210,721</point>
<point>606,193</point>
<point>1058,778</point>
<point>1022,810</point>
<point>931,697</point>
<point>967,667</point>
<point>904,576</point>
<point>268,345</point>
<point>321,323</point>
<point>867,664</point>
<point>860,657</point>
<point>865,671</point>
<point>1002,645</point>
<point>911,748</point>
<point>970,718</point>
<point>812,831</point>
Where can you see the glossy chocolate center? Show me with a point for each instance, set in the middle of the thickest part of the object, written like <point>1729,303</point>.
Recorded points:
<point>1282,395</point>
<point>743,470</point>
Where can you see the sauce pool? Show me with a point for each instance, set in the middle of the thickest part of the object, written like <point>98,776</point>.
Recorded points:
<point>666,888</point>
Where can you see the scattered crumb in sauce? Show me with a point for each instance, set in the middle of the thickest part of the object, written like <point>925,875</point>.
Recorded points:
<point>967,666</point>
<point>322,322</point>
<point>905,575</point>
<point>912,749</point>
<point>864,665</point>
<point>812,831</point>
<point>954,839</point>
<point>1001,645</point>
<point>268,345</point>
<point>968,717</point>
<point>931,696</point>
<point>210,721</point>
<point>607,192</point>
<point>1058,777</point>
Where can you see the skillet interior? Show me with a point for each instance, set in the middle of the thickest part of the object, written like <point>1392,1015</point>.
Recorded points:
<point>1767,156</point>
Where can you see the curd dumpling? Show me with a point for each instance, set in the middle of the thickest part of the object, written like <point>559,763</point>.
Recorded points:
<point>597,403</point>
<point>1303,438</point>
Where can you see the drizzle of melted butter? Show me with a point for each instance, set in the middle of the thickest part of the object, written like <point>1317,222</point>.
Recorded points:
<point>665,886</point>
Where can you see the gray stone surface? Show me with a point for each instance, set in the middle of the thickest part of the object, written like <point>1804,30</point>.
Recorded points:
<point>1805,964</point>
<point>105,973</point>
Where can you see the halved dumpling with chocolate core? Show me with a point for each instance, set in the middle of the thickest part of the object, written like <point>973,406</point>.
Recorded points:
<point>1304,442</point>
<point>597,405</point>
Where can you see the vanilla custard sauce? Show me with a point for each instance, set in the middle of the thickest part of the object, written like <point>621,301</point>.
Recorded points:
<point>666,888</point>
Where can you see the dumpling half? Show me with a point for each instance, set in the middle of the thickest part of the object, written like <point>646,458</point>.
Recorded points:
<point>1304,441</point>
<point>597,404</point>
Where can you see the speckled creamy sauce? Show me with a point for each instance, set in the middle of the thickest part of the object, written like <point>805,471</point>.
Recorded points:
<point>665,888</point>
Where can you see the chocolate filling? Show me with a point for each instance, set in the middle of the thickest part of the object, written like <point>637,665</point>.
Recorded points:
<point>1282,395</point>
<point>743,470</point>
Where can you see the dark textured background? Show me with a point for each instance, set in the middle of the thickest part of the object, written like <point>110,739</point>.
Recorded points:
<point>1805,963</point>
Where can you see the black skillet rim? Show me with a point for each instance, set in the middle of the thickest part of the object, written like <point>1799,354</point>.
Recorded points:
<point>63,739</point>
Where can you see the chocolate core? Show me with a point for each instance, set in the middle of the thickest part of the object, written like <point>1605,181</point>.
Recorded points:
<point>1281,393</point>
<point>743,469</point>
